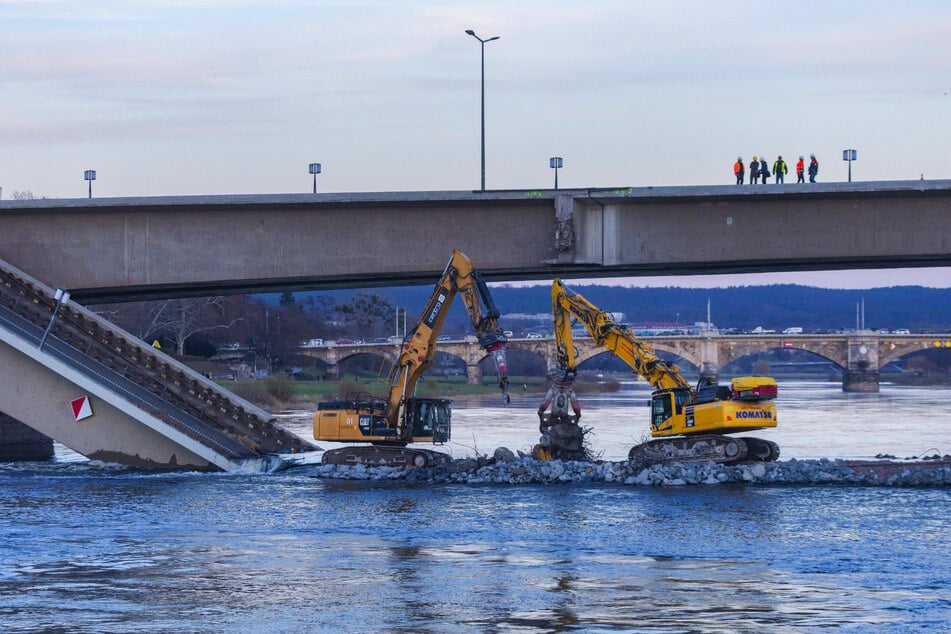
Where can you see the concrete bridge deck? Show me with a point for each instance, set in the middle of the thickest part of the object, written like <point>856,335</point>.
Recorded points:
<point>135,248</point>
<point>144,408</point>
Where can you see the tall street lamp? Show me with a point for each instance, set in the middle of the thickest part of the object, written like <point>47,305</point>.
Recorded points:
<point>89,175</point>
<point>849,155</point>
<point>314,168</point>
<point>482,42</point>
<point>555,162</point>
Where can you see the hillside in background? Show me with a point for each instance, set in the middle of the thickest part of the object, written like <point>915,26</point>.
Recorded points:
<point>745,307</point>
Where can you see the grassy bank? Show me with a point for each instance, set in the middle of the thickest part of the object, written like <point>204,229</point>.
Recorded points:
<point>281,392</point>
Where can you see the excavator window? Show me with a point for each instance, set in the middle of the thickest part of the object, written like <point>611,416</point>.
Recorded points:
<point>662,408</point>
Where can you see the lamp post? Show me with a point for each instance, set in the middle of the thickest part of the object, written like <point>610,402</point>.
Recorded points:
<point>61,297</point>
<point>849,155</point>
<point>555,162</point>
<point>314,168</point>
<point>482,42</point>
<point>89,175</point>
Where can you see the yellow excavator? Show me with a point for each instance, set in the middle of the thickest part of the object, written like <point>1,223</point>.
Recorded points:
<point>688,424</point>
<point>389,425</point>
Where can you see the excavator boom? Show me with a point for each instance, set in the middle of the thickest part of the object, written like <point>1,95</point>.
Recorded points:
<point>702,415</point>
<point>402,418</point>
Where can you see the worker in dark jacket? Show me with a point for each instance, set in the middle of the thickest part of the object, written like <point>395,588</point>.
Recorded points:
<point>780,169</point>
<point>754,171</point>
<point>763,168</point>
<point>813,168</point>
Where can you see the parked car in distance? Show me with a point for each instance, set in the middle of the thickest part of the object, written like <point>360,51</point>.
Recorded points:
<point>901,331</point>
<point>312,343</point>
<point>345,342</point>
<point>534,335</point>
<point>793,330</point>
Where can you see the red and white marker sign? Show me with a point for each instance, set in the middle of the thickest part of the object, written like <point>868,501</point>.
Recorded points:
<point>81,407</point>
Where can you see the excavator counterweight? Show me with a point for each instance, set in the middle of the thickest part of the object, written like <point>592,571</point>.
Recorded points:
<point>688,424</point>
<point>390,424</point>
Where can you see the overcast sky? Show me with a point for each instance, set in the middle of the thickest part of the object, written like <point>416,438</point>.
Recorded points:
<point>180,97</point>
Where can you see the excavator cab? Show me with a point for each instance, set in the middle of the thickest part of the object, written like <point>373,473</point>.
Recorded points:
<point>429,419</point>
<point>667,404</point>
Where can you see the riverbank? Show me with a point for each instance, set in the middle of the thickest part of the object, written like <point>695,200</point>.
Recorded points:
<point>506,468</point>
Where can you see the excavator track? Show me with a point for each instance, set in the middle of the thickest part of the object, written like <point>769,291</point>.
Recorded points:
<point>761,450</point>
<point>385,456</point>
<point>703,448</point>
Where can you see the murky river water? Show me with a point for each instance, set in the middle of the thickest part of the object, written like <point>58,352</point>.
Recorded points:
<point>83,549</point>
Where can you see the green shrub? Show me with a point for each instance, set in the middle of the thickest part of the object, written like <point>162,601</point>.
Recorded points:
<point>279,386</point>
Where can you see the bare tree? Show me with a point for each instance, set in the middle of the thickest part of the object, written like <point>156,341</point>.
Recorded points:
<point>179,319</point>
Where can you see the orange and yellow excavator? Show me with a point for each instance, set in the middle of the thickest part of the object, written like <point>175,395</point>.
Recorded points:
<point>389,425</point>
<point>687,424</point>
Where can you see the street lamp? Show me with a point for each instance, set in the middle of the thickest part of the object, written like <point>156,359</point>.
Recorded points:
<point>849,155</point>
<point>482,42</point>
<point>314,168</point>
<point>555,162</point>
<point>89,175</point>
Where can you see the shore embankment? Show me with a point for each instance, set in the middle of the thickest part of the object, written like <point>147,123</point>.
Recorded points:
<point>506,468</point>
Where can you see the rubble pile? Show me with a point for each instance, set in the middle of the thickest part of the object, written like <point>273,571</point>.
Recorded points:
<point>504,467</point>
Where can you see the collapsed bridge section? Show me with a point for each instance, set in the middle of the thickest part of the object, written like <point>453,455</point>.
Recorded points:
<point>80,380</point>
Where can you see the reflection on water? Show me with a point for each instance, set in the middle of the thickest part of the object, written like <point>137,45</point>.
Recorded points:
<point>284,552</point>
<point>86,549</point>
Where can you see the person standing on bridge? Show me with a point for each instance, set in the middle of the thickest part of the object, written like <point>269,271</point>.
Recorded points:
<point>754,171</point>
<point>739,171</point>
<point>780,169</point>
<point>763,168</point>
<point>800,170</point>
<point>813,168</point>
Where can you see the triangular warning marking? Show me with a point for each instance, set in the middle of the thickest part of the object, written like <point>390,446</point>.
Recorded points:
<point>81,408</point>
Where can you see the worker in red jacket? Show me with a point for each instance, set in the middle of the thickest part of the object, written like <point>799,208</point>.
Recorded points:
<point>739,171</point>
<point>801,170</point>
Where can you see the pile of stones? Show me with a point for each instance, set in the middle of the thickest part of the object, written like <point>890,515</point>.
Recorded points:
<point>505,467</point>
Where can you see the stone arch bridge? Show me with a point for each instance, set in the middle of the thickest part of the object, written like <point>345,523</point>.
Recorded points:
<point>860,355</point>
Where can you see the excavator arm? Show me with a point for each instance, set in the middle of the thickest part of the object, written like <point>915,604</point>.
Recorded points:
<point>419,348</point>
<point>608,334</point>
<point>689,425</point>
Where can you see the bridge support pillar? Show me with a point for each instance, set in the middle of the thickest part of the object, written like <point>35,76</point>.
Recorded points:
<point>860,381</point>
<point>19,442</point>
<point>333,371</point>
<point>861,375</point>
<point>710,364</point>
<point>473,374</point>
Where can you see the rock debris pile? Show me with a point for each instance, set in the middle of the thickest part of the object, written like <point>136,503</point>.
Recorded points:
<point>506,468</point>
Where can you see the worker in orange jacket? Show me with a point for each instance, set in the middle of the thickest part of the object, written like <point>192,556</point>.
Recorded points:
<point>801,170</point>
<point>739,171</point>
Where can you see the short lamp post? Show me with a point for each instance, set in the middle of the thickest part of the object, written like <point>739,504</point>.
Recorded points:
<point>61,297</point>
<point>555,162</point>
<point>849,155</point>
<point>90,176</point>
<point>314,168</point>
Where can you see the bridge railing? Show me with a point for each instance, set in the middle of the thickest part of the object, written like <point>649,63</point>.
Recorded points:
<point>179,388</point>
<point>135,394</point>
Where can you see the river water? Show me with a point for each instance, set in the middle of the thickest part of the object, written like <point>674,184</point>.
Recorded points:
<point>90,549</point>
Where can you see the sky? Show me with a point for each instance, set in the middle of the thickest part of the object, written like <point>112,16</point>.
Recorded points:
<point>204,97</point>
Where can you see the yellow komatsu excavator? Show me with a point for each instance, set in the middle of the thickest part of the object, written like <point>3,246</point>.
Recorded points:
<point>388,425</point>
<point>687,424</point>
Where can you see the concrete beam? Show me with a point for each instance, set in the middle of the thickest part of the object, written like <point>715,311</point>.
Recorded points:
<point>122,249</point>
